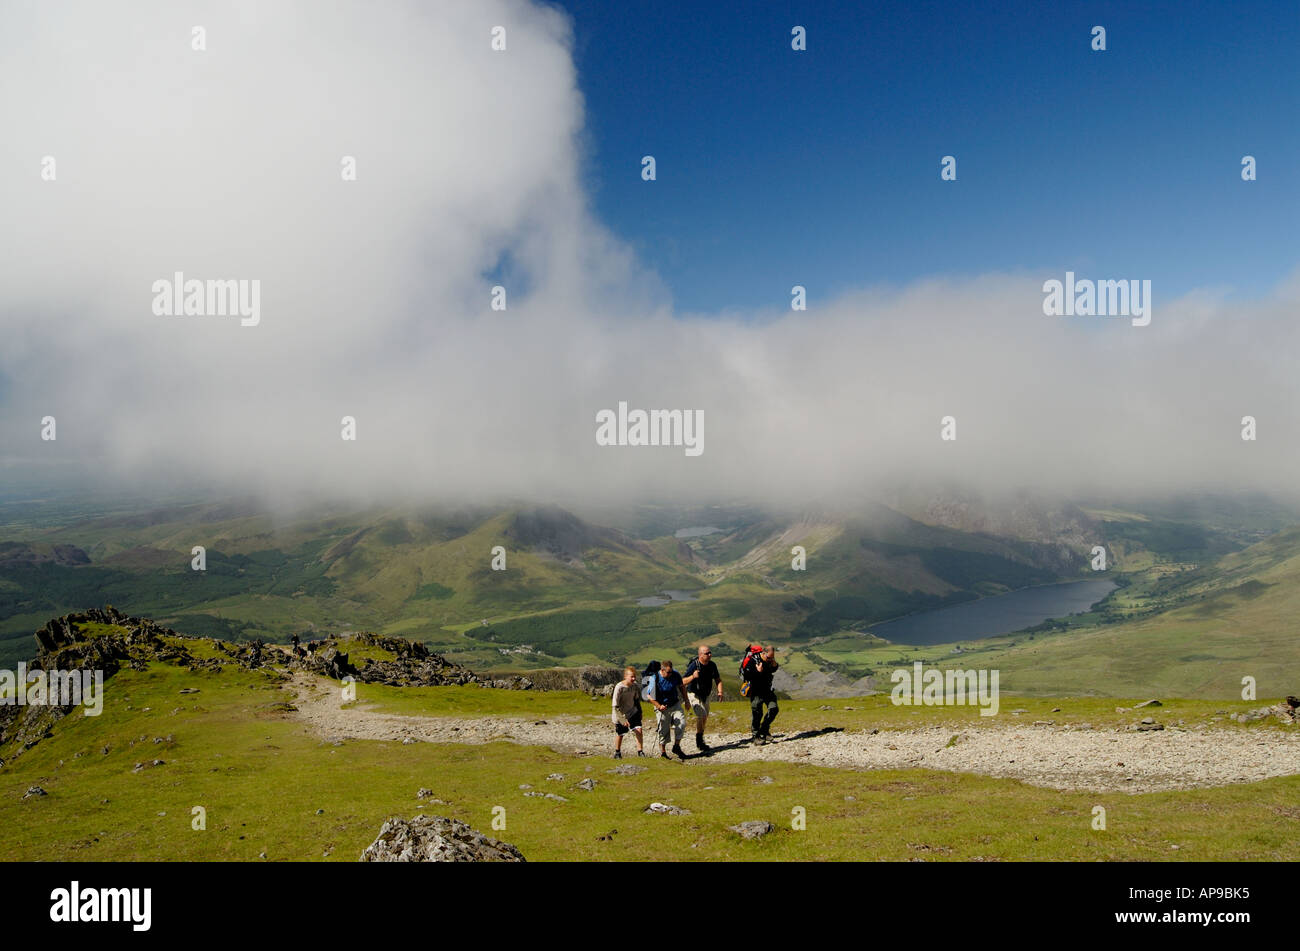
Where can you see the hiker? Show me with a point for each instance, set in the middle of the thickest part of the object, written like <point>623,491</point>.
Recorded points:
<point>701,678</point>
<point>760,693</point>
<point>627,712</point>
<point>297,651</point>
<point>670,717</point>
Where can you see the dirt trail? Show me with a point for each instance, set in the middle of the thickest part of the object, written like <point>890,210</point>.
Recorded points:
<point>1054,756</point>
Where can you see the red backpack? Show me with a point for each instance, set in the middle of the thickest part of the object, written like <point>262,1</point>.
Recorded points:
<point>747,667</point>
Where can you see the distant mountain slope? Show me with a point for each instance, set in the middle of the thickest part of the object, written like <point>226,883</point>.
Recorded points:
<point>570,591</point>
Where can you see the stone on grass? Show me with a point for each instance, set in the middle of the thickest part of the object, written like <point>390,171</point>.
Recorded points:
<point>436,839</point>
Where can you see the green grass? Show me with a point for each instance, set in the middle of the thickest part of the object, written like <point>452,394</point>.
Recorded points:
<point>262,777</point>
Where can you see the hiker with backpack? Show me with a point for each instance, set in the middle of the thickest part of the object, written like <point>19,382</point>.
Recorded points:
<point>627,712</point>
<point>701,677</point>
<point>756,670</point>
<point>667,693</point>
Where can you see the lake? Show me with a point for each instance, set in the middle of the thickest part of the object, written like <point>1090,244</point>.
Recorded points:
<point>696,531</point>
<point>988,617</point>
<point>666,597</point>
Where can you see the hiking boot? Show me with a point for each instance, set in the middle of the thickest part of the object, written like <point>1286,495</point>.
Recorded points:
<point>641,753</point>
<point>663,755</point>
<point>700,744</point>
<point>756,737</point>
<point>618,754</point>
<point>677,751</point>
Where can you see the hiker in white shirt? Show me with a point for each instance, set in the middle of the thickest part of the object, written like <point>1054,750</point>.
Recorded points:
<point>627,712</point>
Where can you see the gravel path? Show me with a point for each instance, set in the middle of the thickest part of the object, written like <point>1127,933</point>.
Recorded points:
<point>1054,756</point>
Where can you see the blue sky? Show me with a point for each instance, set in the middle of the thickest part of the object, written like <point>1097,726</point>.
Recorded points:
<point>821,167</point>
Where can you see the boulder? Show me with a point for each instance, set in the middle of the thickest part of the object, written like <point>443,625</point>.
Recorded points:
<point>666,810</point>
<point>753,829</point>
<point>436,839</point>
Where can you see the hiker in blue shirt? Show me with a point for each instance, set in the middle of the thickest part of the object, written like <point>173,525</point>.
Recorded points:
<point>670,714</point>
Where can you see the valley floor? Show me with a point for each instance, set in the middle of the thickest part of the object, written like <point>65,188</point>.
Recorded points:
<point>1069,757</point>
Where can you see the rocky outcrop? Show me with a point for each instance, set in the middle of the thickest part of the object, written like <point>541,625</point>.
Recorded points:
<point>436,839</point>
<point>412,665</point>
<point>108,640</point>
<point>64,643</point>
<point>592,679</point>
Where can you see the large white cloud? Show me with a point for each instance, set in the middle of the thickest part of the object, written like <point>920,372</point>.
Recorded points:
<point>226,164</point>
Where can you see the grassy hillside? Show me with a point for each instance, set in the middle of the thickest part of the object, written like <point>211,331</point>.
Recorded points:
<point>269,785</point>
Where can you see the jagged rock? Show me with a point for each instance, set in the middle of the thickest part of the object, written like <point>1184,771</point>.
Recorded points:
<point>436,839</point>
<point>413,664</point>
<point>764,780</point>
<point>34,792</point>
<point>423,793</point>
<point>598,681</point>
<point>587,784</point>
<point>547,795</point>
<point>753,829</point>
<point>556,777</point>
<point>627,769</point>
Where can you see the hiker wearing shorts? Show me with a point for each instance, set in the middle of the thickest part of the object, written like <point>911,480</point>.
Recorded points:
<point>701,679</point>
<point>627,712</point>
<point>667,695</point>
<point>761,694</point>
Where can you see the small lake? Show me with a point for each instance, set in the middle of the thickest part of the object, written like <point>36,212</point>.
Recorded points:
<point>696,531</point>
<point>666,597</point>
<point>989,617</point>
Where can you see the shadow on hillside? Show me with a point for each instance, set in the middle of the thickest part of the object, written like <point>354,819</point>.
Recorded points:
<point>742,744</point>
